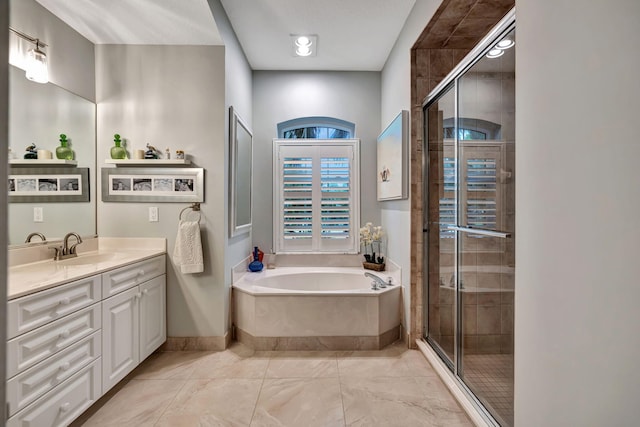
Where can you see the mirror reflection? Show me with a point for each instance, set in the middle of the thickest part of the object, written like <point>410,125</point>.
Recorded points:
<point>241,152</point>
<point>39,114</point>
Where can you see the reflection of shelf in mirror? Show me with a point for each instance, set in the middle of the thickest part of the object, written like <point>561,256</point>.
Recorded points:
<point>45,162</point>
<point>146,162</point>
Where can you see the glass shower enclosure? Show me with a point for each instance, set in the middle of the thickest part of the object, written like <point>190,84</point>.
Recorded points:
<point>469,223</point>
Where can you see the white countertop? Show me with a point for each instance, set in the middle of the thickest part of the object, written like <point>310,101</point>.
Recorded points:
<point>28,278</point>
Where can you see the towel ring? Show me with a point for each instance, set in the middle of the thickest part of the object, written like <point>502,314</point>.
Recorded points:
<point>195,207</point>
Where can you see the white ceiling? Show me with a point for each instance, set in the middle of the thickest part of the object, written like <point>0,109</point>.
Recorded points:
<point>188,22</point>
<point>352,34</point>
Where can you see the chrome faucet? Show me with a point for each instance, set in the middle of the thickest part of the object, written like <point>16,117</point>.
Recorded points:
<point>377,283</point>
<point>32,235</point>
<point>66,251</point>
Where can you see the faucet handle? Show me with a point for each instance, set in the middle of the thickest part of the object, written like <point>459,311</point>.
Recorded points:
<point>58,252</point>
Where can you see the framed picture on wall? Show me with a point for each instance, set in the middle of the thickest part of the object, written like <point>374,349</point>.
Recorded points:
<point>153,185</point>
<point>28,185</point>
<point>392,174</point>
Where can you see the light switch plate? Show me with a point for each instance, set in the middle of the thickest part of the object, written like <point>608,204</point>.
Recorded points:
<point>153,214</point>
<point>38,214</point>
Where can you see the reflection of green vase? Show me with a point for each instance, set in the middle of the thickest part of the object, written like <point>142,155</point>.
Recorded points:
<point>118,152</point>
<point>63,152</point>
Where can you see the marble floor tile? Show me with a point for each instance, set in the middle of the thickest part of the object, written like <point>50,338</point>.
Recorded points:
<point>229,364</point>
<point>168,365</point>
<point>139,403</point>
<point>369,367</point>
<point>417,364</point>
<point>217,402</point>
<point>302,365</point>
<point>299,402</point>
<point>394,402</point>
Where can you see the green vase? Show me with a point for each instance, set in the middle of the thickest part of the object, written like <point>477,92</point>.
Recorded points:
<point>63,152</point>
<point>118,152</point>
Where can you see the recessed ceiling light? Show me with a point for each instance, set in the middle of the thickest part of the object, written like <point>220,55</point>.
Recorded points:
<point>495,53</point>
<point>505,44</point>
<point>306,45</point>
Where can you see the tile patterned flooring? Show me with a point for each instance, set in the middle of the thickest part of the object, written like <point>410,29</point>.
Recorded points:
<point>242,387</point>
<point>490,376</point>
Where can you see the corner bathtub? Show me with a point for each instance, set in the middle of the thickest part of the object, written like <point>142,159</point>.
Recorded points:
<point>308,308</point>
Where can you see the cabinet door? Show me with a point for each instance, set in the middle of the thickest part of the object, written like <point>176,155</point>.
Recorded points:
<point>153,327</point>
<point>120,336</point>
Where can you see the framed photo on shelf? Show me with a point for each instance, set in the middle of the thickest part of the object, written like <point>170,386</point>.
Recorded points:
<point>393,159</point>
<point>153,185</point>
<point>29,185</point>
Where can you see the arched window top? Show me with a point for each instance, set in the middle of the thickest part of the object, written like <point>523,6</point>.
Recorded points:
<point>316,128</point>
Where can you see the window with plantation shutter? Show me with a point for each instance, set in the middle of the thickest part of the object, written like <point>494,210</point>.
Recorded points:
<point>316,196</point>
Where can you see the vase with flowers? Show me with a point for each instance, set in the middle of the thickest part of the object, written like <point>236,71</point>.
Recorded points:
<point>371,240</point>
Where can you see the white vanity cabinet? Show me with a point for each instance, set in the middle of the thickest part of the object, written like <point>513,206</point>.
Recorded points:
<point>133,320</point>
<point>69,344</point>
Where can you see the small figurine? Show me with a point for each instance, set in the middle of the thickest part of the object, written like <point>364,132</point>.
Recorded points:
<point>151,153</point>
<point>31,153</point>
<point>167,154</point>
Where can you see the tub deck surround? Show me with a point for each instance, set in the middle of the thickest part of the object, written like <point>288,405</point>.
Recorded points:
<point>28,273</point>
<point>316,308</point>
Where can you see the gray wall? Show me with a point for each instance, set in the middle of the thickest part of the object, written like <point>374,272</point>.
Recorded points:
<point>147,94</point>
<point>396,96</point>
<point>577,274</point>
<point>239,94</point>
<point>280,96</point>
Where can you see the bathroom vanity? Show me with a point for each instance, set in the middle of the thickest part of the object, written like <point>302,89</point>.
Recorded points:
<point>77,327</point>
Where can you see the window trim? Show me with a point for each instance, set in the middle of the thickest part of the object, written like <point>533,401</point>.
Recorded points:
<point>316,121</point>
<point>278,226</point>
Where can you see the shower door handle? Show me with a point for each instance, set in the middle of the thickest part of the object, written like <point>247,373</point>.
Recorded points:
<point>482,232</point>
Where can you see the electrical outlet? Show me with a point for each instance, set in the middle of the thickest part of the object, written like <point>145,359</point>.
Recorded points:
<point>153,214</point>
<point>38,214</point>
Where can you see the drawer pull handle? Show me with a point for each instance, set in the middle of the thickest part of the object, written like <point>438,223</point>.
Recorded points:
<point>65,407</point>
<point>64,334</point>
<point>141,273</point>
<point>65,301</point>
<point>65,366</point>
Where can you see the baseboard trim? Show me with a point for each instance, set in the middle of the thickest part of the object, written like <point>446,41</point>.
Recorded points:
<point>197,343</point>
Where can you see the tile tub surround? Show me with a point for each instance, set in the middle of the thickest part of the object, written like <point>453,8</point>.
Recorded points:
<point>353,317</point>
<point>244,387</point>
<point>29,273</point>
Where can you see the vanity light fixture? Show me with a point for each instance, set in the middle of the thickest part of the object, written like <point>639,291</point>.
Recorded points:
<point>304,45</point>
<point>36,65</point>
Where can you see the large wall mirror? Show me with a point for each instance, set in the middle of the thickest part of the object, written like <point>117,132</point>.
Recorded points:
<point>38,114</point>
<point>240,158</point>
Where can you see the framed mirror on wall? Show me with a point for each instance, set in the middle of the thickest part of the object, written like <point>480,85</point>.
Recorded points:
<point>240,167</point>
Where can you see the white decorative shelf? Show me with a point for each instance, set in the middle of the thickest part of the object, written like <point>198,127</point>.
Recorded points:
<point>42,162</point>
<point>147,162</point>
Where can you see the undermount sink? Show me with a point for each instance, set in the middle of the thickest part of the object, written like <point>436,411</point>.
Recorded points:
<point>89,259</point>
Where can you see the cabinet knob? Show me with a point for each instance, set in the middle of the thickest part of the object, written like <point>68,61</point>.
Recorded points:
<point>146,291</point>
<point>65,366</point>
<point>141,272</point>
<point>138,295</point>
<point>64,334</point>
<point>65,407</point>
<point>65,301</point>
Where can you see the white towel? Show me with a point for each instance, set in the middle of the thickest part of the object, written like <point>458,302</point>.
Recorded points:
<point>187,253</point>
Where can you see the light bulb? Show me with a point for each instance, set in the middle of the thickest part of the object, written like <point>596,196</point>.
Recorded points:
<point>303,51</point>
<point>505,44</point>
<point>37,70</point>
<point>495,53</point>
<point>303,41</point>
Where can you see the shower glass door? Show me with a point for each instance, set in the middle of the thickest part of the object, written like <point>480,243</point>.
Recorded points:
<point>470,222</point>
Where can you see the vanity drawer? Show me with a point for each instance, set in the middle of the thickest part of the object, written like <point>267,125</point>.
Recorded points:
<point>29,312</point>
<point>29,385</point>
<point>121,279</point>
<point>63,404</point>
<point>35,346</point>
